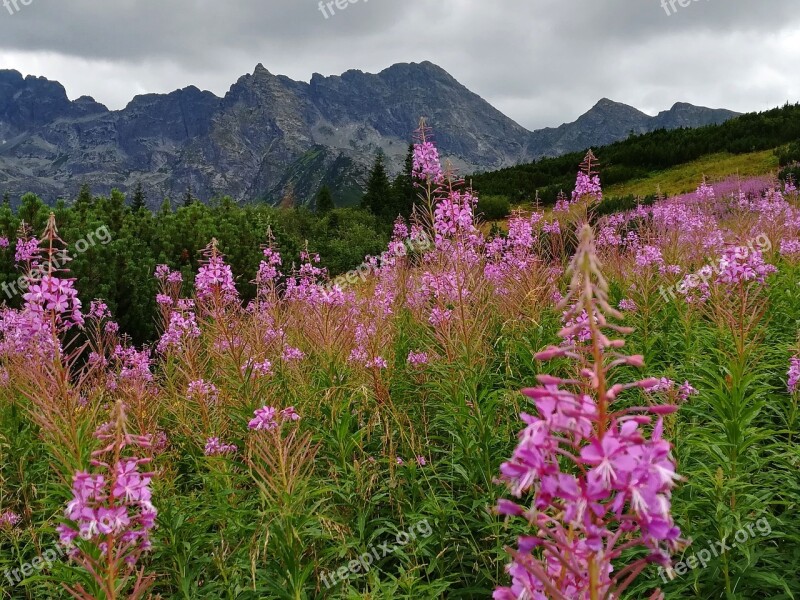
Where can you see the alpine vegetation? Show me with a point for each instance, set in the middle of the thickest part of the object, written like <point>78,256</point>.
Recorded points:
<point>287,436</point>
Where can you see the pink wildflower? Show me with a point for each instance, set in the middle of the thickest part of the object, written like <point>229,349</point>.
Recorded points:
<point>686,391</point>
<point>216,448</point>
<point>215,277</point>
<point>416,359</point>
<point>794,374</point>
<point>596,478</point>
<point>114,501</point>
<point>264,419</point>
<point>9,518</point>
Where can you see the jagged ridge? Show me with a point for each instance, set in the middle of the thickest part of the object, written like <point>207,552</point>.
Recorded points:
<point>270,132</point>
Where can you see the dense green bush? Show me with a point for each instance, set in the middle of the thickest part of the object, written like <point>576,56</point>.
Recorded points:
<point>494,208</point>
<point>121,270</point>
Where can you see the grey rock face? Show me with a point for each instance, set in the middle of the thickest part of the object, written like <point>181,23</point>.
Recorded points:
<point>270,134</point>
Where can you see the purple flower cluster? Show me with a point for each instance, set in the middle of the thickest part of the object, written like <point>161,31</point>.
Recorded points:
<point>686,390</point>
<point>648,256</point>
<point>268,418</point>
<point>417,359</point>
<point>216,448</point>
<point>455,214</point>
<point>793,374</point>
<point>181,328</point>
<point>203,391</point>
<point>99,310</point>
<point>553,228</point>
<point>511,257</point>
<point>215,277</point>
<point>742,264</point>
<point>27,250</point>
<point>56,295</point>
<point>113,504</point>
<point>134,365</point>
<point>596,477</point>
<point>665,385</point>
<point>26,333</point>
<point>426,164</point>
<point>587,187</point>
<point>268,269</point>
<point>790,248</point>
<point>166,275</point>
<point>705,193</point>
<point>291,354</point>
<point>260,369</point>
<point>8,519</point>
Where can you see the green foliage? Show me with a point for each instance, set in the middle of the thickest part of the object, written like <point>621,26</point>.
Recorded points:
<point>494,208</point>
<point>324,202</point>
<point>610,206</point>
<point>388,200</point>
<point>403,188</point>
<point>115,248</point>
<point>789,154</point>
<point>139,200</point>
<point>378,197</point>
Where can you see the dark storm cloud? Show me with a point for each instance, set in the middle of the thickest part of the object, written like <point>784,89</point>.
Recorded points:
<point>542,62</point>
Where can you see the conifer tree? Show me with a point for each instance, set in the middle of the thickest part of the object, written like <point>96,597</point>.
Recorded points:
<point>139,201</point>
<point>324,201</point>
<point>378,197</point>
<point>188,199</point>
<point>84,200</point>
<point>403,187</point>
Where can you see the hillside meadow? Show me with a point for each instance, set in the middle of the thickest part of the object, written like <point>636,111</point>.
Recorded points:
<point>584,406</point>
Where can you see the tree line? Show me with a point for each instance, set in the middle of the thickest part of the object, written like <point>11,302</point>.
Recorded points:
<point>640,155</point>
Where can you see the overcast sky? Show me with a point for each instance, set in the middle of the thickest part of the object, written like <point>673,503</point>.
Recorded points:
<point>542,62</point>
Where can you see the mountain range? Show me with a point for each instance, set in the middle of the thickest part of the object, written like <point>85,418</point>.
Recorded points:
<point>270,136</point>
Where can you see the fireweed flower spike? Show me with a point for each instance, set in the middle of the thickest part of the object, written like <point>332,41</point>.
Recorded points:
<point>111,511</point>
<point>599,484</point>
<point>426,164</point>
<point>793,374</point>
<point>214,281</point>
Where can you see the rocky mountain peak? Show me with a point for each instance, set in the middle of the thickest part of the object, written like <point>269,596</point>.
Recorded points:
<point>269,133</point>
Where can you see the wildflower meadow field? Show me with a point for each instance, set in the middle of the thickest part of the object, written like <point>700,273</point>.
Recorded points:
<point>579,405</point>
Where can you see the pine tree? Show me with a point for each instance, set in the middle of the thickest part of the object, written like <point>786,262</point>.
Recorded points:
<point>324,201</point>
<point>188,199</point>
<point>84,200</point>
<point>166,207</point>
<point>403,187</point>
<point>139,201</point>
<point>6,199</point>
<point>378,197</point>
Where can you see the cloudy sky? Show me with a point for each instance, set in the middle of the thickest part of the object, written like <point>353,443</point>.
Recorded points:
<point>542,62</point>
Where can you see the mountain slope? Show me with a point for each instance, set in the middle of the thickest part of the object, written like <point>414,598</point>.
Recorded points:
<point>270,133</point>
<point>752,144</point>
